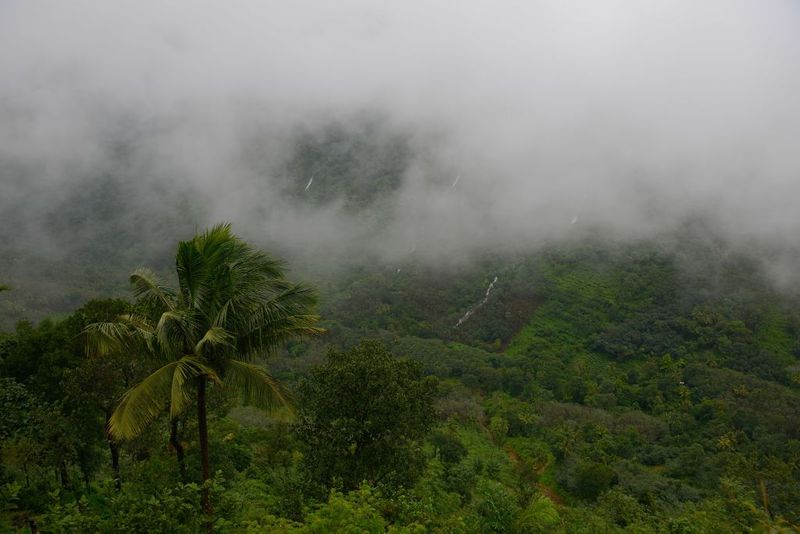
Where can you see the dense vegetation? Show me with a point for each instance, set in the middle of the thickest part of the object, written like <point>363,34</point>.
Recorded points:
<point>600,388</point>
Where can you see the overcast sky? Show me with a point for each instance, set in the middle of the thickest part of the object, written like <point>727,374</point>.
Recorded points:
<point>622,115</point>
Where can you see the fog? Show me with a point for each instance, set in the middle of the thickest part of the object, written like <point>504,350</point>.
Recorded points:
<point>525,122</point>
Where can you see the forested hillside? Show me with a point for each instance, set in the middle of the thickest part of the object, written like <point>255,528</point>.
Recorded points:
<point>399,267</point>
<point>587,385</point>
<point>599,387</point>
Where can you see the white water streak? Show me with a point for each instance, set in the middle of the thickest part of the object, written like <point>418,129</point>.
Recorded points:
<point>477,306</point>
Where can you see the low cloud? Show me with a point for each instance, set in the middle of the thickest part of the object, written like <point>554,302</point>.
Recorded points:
<point>519,122</point>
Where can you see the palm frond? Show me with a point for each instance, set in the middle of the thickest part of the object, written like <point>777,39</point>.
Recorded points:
<point>142,403</point>
<point>140,323</point>
<point>264,341</point>
<point>283,317</point>
<point>188,368</point>
<point>106,337</point>
<point>147,400</point>
<point>294,299</point>
<point>145,284</point>
<point>221,274</point>
<point>192,274</point>
<point>275,299</point>
<point>256,386</point>
<point>215,337</point>
<point>174,331</point>
<point>141,327</point>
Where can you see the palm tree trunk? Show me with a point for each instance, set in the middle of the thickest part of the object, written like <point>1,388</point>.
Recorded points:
<point>113,447</point>
<point>175,442</point>
<point>203,428</point>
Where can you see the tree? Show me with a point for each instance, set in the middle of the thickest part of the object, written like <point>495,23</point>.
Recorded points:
<point>592,479</point>
<point>363,415</point>
<point>495,507</point>
<point>231,307</point>
<point>50,359</point>
<point>100,381</point>
<point>37,440</point>
<point>354,512</point>
<point>541,515</point>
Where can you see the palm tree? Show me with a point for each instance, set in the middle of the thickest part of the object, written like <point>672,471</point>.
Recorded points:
<point>231,307</point>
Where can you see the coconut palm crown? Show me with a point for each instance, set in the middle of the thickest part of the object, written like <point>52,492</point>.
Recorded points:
<point>232,306</point>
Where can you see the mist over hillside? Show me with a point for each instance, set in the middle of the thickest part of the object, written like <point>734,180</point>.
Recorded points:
<point>357,184</point>
<point>447,267</point>
<point>355,129</point>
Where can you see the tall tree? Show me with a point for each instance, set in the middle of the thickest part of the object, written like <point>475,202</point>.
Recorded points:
<point>364,415</point>
<point>232,306</point>
<point>98,383</point>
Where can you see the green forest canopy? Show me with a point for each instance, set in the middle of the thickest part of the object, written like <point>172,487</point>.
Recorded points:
<point>601,388</point>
